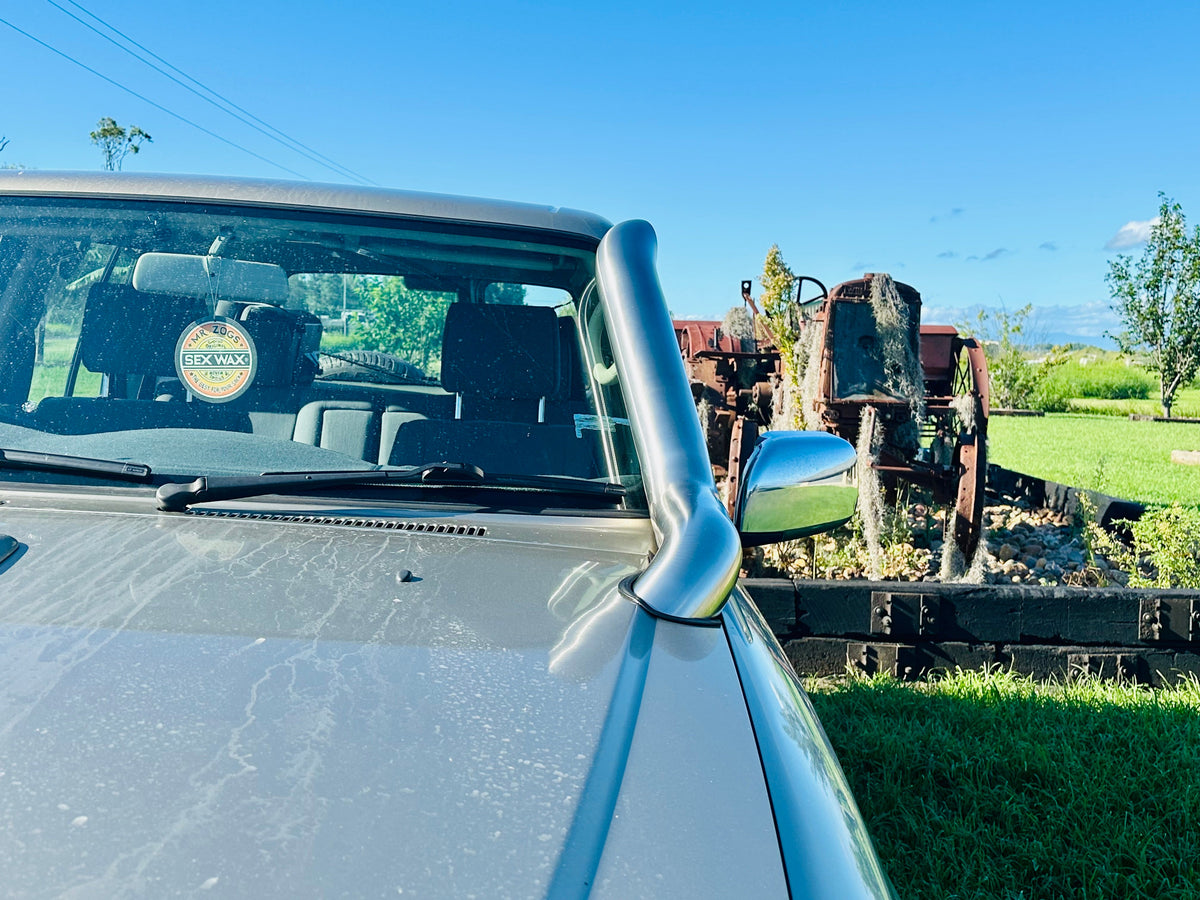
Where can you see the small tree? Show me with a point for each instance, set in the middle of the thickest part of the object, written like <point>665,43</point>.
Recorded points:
<point>1158,300</point>
<point>779,310</point>
<point>116,143</point>
<point>3,144</point>
<point>778,282</point>
<point>405,322</point>
<point>1014,379</point>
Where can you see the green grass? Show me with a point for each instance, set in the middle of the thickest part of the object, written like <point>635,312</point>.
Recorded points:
<point>49,381</point>
<point>1124,458</point>
<point>993,786</point>
<point>332,342</point>
<point>57,351</point>
<point>50,375</point>
<point>1110,379</point>
<point>1186,405</point>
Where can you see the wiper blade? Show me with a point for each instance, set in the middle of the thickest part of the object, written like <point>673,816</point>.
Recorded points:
<point>177,497</point>
<point>55,462</point>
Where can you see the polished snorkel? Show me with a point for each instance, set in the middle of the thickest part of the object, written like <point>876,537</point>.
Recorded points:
<point>699,553</point>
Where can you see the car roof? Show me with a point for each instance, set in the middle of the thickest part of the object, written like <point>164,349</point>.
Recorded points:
<point>300,195</point>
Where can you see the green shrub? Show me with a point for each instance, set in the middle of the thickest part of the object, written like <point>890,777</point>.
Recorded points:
<point>1013,378</point>
<point>1119,408</point>
<point>1051,395</point>
<point>1187,405</point>
<point>1102,381</point>
<point>1165,549</point>
<point>332,342</point>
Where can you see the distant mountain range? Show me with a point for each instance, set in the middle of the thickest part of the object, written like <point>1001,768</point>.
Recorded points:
<point>1084,323</point>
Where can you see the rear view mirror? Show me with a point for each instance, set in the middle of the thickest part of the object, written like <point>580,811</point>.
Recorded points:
<point>210,277</point>
<point>796,483</point>
<point>434,284</point>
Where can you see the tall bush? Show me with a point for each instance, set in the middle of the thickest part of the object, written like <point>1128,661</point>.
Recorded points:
<point>1014,379</point>
<point>1101,381</point>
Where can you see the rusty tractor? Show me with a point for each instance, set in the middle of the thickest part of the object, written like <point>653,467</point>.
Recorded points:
<point>932,434</point>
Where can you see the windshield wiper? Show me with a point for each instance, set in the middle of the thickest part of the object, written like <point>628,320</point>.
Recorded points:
<point>54,462</point>
<point>177,497</point>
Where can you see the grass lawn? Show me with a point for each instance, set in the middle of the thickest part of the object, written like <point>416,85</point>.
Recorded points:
<point>1117,456</point>
<point>50,376</point>
<point>49,381</point>
<point>993,786</point>
<point>1186,405</point>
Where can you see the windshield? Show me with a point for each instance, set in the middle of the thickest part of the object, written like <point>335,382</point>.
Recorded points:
<point>215,340</point>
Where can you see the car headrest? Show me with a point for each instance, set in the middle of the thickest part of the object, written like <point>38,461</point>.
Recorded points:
<point>571,381</point>
<point>287,341</point>
<point>129,332</point>
<point>500,351</point>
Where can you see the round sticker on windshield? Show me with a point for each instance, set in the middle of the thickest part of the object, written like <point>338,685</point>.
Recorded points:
<point>216,359</point>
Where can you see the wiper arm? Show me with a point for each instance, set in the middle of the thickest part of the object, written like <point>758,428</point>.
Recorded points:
<point>177,497</point>
<point>55,462</point>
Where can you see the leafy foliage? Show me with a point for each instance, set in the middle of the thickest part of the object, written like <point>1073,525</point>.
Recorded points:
<point>1095,539</point>
<point>785,323</point>
<point>1052,395</point>
<point>335,342</point>
<point>778,282</point>
<point>505,293</point>
<point>1164,550</point>
<point>1016,382</point>
<point>1102,380</point>
<point>1070,380</point>
<point>1186,405</point>
<point>116,143</point>
<point>326,294</point>
<point>1158,299</point>
<point>392,317</point>
<point>405,322</point>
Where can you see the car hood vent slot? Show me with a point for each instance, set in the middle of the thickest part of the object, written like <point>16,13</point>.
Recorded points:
<point>350,521</point>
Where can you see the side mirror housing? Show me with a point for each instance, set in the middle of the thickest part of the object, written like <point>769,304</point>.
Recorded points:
<point>796,483</point>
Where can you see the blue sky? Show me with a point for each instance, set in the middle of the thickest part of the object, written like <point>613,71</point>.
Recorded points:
<point>985,153</point>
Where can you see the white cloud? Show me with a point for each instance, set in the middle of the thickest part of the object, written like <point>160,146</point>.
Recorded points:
<point>1131,234</point>
<point>1082,322</point>
<point>1085,320</point>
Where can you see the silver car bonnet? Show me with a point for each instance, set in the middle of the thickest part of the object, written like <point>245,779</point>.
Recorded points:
<point>275,708</point>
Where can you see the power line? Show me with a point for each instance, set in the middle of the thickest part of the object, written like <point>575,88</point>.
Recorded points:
<point>157,106</point>
<point>247,118</point>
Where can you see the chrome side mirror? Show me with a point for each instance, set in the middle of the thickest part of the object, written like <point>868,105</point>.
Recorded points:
<point>796,483</point>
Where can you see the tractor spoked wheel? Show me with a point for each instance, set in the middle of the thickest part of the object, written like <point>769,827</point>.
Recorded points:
<point>970,456</point>
<point>970,451</point>
<point>741,445</point>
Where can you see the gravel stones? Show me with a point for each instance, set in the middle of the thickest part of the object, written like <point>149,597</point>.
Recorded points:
<point>1024,546</point>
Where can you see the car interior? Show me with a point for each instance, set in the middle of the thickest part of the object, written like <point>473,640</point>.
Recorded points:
<point>506,387</point>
